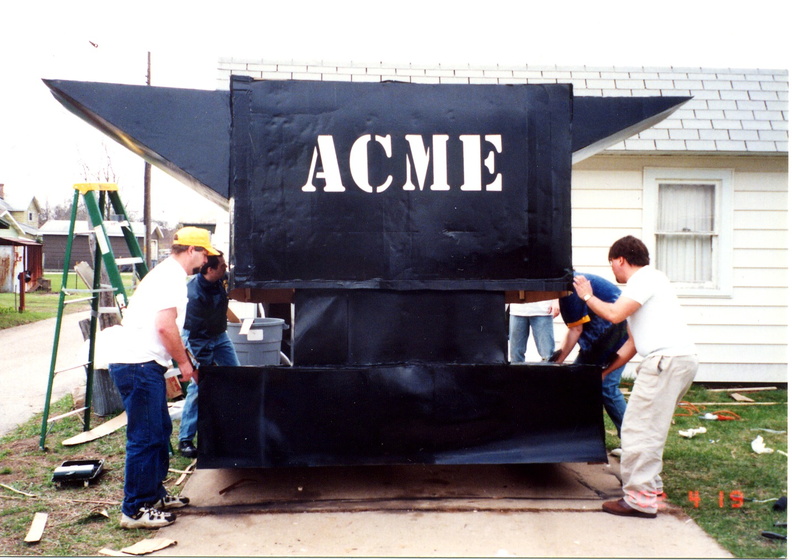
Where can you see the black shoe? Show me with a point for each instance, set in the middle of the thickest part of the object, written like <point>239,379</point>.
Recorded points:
<point>187,449</point>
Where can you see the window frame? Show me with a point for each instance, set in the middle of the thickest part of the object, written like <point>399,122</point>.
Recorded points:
<point>723,181</point>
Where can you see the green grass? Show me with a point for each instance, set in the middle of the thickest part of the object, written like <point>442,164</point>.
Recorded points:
<point>40,305</point>
<point>699,469</point>
<point>76,525</point>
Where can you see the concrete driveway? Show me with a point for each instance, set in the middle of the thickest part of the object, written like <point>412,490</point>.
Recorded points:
<point>423,511</point>
<point>25,364</point>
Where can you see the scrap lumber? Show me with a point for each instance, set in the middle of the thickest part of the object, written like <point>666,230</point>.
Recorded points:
<point>36,527</point>
<point>741,398</point>
<point>743,389</point>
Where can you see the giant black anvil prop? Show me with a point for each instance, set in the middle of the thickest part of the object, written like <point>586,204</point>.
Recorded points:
<point>399,216</point>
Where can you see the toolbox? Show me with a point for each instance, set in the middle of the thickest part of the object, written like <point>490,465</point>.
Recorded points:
<point>84,470</point>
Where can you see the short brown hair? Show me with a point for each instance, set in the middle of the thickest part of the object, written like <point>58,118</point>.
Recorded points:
<point>632,249</point>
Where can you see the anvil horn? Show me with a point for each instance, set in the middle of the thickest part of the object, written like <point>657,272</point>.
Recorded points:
<point>601,122</point>
<point>184,132</point>
<point>187,132</point>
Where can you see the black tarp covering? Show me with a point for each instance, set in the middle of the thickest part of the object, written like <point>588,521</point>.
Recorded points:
<point>184,132</point>
<point>354,327</point>
<point>408,413</point>
<point>401,186</point>
<point>400,214</point>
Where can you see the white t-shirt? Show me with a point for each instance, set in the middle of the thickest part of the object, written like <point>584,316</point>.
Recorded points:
<point>531,309</point>
<point>658,326</point>
<point>163,287</point>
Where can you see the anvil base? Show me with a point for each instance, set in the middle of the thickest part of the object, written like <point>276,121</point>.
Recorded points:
<point>408,413</point>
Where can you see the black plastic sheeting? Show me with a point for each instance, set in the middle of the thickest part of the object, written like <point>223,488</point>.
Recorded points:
<point>400,214</point>
<point>184,132</point>
<point>401,414</point>
<point>401,186</point>
<point>354,327</point>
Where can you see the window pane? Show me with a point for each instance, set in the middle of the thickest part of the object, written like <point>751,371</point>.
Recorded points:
<point>684,207</point>
<point>686,232</point>
<point>685,259</point>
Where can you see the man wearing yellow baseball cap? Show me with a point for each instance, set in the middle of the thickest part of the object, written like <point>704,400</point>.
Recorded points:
<point>151,339</point>
<point>196,237</point>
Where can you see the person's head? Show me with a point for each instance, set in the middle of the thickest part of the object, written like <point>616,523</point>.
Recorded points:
<point>214,268</point>
<point>627,254</point>
<point>191,247</point>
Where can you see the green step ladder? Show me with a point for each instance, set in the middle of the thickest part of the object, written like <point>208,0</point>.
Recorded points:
<point>98,198</point>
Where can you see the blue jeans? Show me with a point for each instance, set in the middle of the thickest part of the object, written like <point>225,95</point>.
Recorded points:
<point>612,398</point>
<point>208,351</point>
<point>520,328</point>
<point>142,389</point>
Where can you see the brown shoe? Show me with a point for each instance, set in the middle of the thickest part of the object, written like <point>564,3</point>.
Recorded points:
<point>620,507</point>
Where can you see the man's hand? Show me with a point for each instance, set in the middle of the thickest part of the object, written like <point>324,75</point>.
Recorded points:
<point>582,287</point>
<point>187,372</point>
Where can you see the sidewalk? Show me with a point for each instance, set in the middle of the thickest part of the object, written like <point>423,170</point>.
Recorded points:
<point>25,365</point>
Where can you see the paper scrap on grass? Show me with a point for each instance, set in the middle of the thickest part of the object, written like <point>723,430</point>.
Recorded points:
<point>692,432</point>
<point>148,545</point>
<point>758,445</point>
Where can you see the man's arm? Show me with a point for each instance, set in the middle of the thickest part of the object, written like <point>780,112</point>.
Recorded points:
<point>615,312</point>
<point>624,355</point>
<point>165,322</point>
<point>572,337</point>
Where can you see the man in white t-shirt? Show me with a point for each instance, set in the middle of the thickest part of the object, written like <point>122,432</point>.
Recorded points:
<point>658,333</point>
<point>150,338</point>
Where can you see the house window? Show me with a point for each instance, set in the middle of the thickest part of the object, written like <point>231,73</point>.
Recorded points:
<point>688,227</point>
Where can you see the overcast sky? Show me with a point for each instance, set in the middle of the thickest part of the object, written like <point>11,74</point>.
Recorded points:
<point>43,147</point>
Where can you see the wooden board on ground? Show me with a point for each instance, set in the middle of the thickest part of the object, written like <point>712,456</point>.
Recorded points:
<point>100,431</point>
<point>36,527</point>
<point>743,389</point>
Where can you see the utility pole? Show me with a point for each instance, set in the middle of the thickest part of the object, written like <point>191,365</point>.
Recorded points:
<point>147,188</point>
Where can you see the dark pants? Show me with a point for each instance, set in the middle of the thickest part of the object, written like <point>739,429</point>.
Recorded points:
<point>142,388</point>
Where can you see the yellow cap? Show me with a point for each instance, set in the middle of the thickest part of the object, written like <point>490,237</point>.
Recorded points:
<point>197,237</point>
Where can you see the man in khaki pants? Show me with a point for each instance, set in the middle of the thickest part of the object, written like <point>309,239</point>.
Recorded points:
<point>659,333</point>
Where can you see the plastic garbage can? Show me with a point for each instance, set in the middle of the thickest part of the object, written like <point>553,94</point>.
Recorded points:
<point>261,345</point>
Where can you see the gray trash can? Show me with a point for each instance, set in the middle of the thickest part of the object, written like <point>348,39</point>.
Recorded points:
<point>261,345</point>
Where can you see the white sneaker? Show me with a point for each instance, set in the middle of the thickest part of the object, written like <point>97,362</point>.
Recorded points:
<point>147,518</point>
<point>171,502</point>
<point>617,452</point>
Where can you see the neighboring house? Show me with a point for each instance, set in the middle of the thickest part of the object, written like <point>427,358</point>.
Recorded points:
<point>20,249</point>
<point>56,234</point>
<point>706,189</point>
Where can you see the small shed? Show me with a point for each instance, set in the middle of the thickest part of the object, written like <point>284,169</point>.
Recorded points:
<point>56,232</point>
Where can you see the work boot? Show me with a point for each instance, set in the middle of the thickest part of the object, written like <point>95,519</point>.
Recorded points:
<point>187,449</point>
<point>147,518</point>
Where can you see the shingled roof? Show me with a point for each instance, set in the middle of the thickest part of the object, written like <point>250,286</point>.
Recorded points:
<point>732,110</point>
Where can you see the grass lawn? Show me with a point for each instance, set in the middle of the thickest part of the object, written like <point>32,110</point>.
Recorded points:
<point>40,305</point>
<point>696,471</point>
<point>77,525</point>
<point>717,478</point>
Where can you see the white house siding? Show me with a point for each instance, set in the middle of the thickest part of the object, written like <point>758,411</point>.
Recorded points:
<point>737,120</point>
<point>742,336</point>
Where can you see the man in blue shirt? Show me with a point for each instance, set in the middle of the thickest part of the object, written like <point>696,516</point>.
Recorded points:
<point>599,340</point>
<point>205,332</point>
